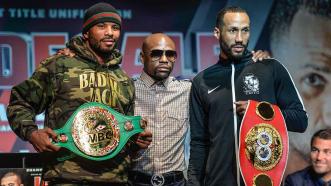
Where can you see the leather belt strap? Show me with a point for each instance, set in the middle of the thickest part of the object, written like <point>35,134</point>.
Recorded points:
<point>156,179</point>
<point>263,148</point>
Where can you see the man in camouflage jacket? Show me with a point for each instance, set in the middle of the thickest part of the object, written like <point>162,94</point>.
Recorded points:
<point>61,84</point>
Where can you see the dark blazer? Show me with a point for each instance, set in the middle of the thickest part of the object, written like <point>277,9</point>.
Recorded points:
<point>305,177</point>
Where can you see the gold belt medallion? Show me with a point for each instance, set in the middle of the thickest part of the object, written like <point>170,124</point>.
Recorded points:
<point>263,146</point>
<point>95,131</point>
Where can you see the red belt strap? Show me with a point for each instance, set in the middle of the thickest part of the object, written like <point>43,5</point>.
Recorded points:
<point>263,147</point>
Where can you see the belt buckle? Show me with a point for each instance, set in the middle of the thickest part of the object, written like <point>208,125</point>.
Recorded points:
<point>157,180</point>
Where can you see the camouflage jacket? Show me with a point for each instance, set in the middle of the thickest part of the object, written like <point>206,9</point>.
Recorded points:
<point>58,87</point>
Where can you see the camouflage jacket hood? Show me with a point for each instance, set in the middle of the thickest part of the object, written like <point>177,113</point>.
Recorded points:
<point>79,47</point>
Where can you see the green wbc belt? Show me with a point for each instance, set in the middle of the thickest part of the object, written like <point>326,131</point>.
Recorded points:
<point>97,132</point>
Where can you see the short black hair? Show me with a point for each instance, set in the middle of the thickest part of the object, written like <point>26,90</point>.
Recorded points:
<point>223,11</point>
<point>322,134</point>
<point>283,12</point>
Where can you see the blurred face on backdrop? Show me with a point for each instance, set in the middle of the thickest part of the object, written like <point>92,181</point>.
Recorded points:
<point>12,180</point>
<point>158,56</point>
<point>306,52</point>
<point>321,157</point>
<point>103,37</point>
<point>233,35</point>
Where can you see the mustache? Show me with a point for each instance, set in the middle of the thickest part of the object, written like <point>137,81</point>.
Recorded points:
<point>165,67</point>
<point>107,38</point>
<point>238,45</point>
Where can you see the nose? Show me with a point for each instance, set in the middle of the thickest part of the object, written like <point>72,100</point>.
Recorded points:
<point>239,38</point>
<point>109,30</point>
<point>319,155</point>
<point>163,58</point>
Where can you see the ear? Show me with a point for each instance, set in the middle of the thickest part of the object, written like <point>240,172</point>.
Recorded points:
<point>217,33</point>
<point>85,35</point>
<point>141,57</point>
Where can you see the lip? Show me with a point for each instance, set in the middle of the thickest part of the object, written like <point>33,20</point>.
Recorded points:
<point>238,48</point>
<point>319,164</point>
<point>163,69</point>
<point>108,41</point>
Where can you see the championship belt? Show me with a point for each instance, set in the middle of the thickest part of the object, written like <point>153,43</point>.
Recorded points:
<point>97,132</point>
<point>263,147</point>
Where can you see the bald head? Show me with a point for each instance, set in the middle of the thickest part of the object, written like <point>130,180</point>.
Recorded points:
<point>158,56</point>
<point>157,39</point>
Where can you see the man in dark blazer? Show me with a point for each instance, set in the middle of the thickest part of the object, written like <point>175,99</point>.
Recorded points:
<point>319,173</point>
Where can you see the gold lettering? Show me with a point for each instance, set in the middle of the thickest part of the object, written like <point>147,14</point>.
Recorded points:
<point>97,95</point>
<point>92,80</point>
<point>106,94</point>
<point>101,136</point>
<point>109,134</point>
<point>92,138</point>
<point>83,81</point>
<point>92,94</point>
<point>113,100</point>
<point>95,138</point>
<point>113,84</point>
<point>102,81</point>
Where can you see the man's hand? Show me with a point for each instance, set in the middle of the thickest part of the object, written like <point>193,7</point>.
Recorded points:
<point>66,52</point>
<point>40,139</point>
<point>260,55</point>
<point>241,107</point>
<point>144,139</point>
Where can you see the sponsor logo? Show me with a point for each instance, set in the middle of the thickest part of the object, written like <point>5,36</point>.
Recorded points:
<point>212,90</point>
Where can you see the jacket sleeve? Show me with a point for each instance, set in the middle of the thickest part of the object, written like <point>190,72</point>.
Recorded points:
<point>28,99</point>
<point>199,139</point>
<point>289,100</point>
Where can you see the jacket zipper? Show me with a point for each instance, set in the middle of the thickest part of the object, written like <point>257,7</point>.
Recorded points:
<point>235,122</point>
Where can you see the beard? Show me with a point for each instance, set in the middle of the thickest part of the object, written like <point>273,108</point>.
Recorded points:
<point>226,49</point>
<point>158,72</point>
<point>161,75</point>
<point>96,45</point>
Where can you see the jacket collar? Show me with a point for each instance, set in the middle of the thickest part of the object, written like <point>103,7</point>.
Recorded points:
<point>247,58</point>
<point>149,81</point>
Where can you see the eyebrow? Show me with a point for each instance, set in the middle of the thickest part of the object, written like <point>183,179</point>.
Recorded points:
<point>320,149</point>
<point>238,27</point>
<point>323,68</point>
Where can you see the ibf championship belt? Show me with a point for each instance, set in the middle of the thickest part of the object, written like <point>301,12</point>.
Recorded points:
<point>263,147</point>
<point>97,132</point>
